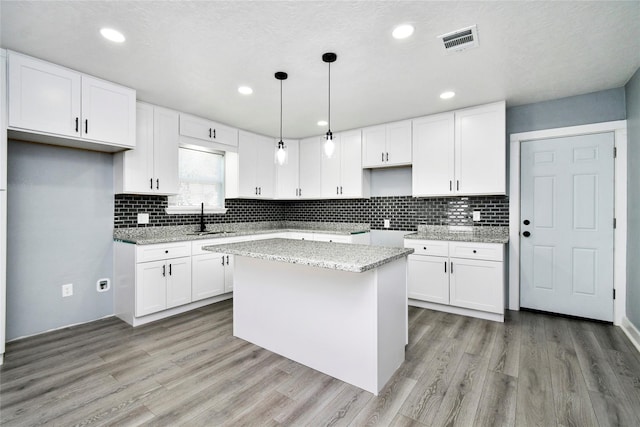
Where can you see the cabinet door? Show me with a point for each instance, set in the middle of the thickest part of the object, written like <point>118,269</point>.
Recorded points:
<point>247,159</point>
<point>108,112</point>
<point>195,127</point>
<point>481,150</point>
<point>330,171</point>
<point>428,278</point>
<point>228,273</point>
<point>208,276</point>
<point>351,173</point>
<point>398,151</point>
<point>43,97</point>
<point>265,167</point>
<point>135,167</point>
<point>374,146</point>
<point>477,284</point>
<point>178,281</point>
<point>432,173</point>
<point>151,287</point>
<point>287,174</point>
<point>224,134</point>
<point>165,151</point>
<point>311,168</point>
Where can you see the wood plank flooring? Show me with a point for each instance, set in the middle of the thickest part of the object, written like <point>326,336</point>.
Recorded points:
<point>533,370</point>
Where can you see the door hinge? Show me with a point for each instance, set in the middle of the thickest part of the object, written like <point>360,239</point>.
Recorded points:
<point>614,294</point>
<point>615,152</point>
<point>614,223</point>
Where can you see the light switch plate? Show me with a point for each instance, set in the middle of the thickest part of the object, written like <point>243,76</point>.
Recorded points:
<point>476,215</point>
<point>143,218</point>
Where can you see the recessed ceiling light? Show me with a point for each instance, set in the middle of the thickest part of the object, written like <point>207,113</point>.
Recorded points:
<point>245,90</point>
<point>113,35</point>
<point>402,31</point>
<point>447,95</point>
<point>322,123</point>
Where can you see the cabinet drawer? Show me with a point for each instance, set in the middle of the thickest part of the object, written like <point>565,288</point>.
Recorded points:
<point>162,251</point>
<point>428,247</point>
<point>337,238</point>
<point>486,251</point>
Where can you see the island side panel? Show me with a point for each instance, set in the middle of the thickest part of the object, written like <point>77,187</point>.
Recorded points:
<point>325,319</point>
<point>392,318</point>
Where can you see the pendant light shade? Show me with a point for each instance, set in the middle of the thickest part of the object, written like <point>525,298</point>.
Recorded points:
<point>329,144</point>
<point>281,149</point>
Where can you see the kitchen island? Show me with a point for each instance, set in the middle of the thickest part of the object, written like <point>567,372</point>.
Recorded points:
<point>338,308</point>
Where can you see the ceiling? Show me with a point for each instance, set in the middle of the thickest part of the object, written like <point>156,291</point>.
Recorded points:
<point>192,56</point>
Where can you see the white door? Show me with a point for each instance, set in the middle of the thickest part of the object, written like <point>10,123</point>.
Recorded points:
<point>178,281</point>
<point>374,145</point>
<point>287,174</point>
<point>476,284</point>
<point>398,147</point>
<point>433,155</point>
<point>151,287</point>
<point>428,278</point>
<point>138,163</point>
<point>247,159</point>
<point>165,151</point>
<point>330,171</point>
<point>265,167</point>
<point>567,209</point>
<point>310,167</point>
<point>208,272</point>
<point>351,164</point>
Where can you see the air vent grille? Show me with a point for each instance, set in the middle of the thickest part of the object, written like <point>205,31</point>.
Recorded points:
<point>462,39</point>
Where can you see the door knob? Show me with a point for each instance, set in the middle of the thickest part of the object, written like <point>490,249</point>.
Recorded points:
<point>526,234</point>
<point>526,222</point>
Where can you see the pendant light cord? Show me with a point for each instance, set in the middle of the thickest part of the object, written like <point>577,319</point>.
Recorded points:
<point>280,113</point>
<point>329,118</point>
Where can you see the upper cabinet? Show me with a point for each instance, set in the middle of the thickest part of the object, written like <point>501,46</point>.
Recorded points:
<point>47,100</point>
<point>152,168</point>
<point>256,166</point>
<point>206,130</point>
<point>310,175</point>
<point>460,153</point>
<point>387,145</point>
<point>287,175</point>
<point>342,173</point>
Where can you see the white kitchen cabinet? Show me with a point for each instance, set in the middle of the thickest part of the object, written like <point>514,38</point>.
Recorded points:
<point>469,277</point>
<point>152,167</point>
<point>256,166</point>
<point>460,153</point>
<point>310,176</point>
<point>208,276</point>
<point>51,100</point>
<point>207,130</point>
<point>162,284</point>
<point>342,173</point>
<point>287,175</point>
<point>387,145</point>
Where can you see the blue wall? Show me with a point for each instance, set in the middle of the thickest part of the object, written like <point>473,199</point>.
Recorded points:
<point>59,230</point>
<point>596,107</point>
<point>633,199</point>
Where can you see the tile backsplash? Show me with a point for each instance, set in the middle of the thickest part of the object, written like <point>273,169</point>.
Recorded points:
<point>404,212</point>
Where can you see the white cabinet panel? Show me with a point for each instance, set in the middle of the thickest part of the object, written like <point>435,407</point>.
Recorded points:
<point>387,145</point>
<point>228,273</point>
<point>460,153</point>
<point>310,168</point>
<point>330,172</point>
<point>162,251</point>
<point>476,284</point>
<point>428,278</point>
<point>354,181</point>
<point>178,281</point>
<point>433,155</point>
<point>256,166</point>
<point>207,276</point>
<point>108,112</point>
<point>207,130</point>
<point>287,175</point>
<point>165,151</point>
<point>151,287</point>
<point>428,247</point>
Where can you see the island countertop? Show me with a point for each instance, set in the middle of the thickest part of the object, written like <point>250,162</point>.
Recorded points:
<point>336,256</point>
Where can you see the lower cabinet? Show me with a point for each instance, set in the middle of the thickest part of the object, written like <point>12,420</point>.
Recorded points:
<point>212,274</point>
<point>162,284</point>
<point>457,274</point>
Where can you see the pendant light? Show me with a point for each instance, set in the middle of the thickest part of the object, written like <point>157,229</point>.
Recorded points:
<point>329,144</point>
<point>281,152</point>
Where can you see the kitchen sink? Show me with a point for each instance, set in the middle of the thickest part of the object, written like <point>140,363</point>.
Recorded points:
<point>204,233</point>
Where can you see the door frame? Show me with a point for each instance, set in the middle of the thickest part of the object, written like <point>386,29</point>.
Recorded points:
<point>619,129</point>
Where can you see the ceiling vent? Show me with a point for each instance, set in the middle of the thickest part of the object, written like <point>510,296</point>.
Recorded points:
<point>464,38</point>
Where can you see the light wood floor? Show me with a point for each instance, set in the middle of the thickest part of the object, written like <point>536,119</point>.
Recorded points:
<point>533,370</point>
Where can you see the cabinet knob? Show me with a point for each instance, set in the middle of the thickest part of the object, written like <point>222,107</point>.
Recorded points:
<point>166,252</point>
<point>526,234</point>
<point>425,248</point>
<point>474,251</point>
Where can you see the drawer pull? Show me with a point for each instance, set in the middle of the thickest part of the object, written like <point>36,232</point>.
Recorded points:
<point>474,251</point>
<point>222,259</point>
<point>445,266</point>
<point>169,269</point>
<point>166,252</point>
<point>451,267</point>
<point>164,271</point>
<point>425,248</point>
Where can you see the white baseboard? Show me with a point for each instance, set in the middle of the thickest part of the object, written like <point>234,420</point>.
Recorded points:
<point>457,310</point>
<point>61,327</point>
<point>632,332</point>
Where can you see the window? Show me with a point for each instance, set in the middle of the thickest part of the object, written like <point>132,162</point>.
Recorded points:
<point>201,176</point>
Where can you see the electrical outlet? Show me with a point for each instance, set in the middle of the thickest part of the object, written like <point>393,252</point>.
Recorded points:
<point>143,218</point>
<point>387,223</point>
<point>67,290</point>
<point>476,215</point>
<point>103,285</point>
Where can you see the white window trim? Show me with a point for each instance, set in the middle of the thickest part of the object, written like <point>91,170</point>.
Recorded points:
<point>177,210</point>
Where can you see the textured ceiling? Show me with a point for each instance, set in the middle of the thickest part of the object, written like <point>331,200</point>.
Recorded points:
<point>192,56</point>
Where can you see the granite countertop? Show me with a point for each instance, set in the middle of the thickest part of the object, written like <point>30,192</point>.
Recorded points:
<point>336,256</point>
<point>152,235</point>
<point>461,234</point>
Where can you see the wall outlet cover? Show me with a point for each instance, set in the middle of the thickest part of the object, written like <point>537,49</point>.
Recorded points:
<point>476,215</point>
<point>143,218</point>
<point>103,285</point>
<point>387,223</point>
<point>67,290</point>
